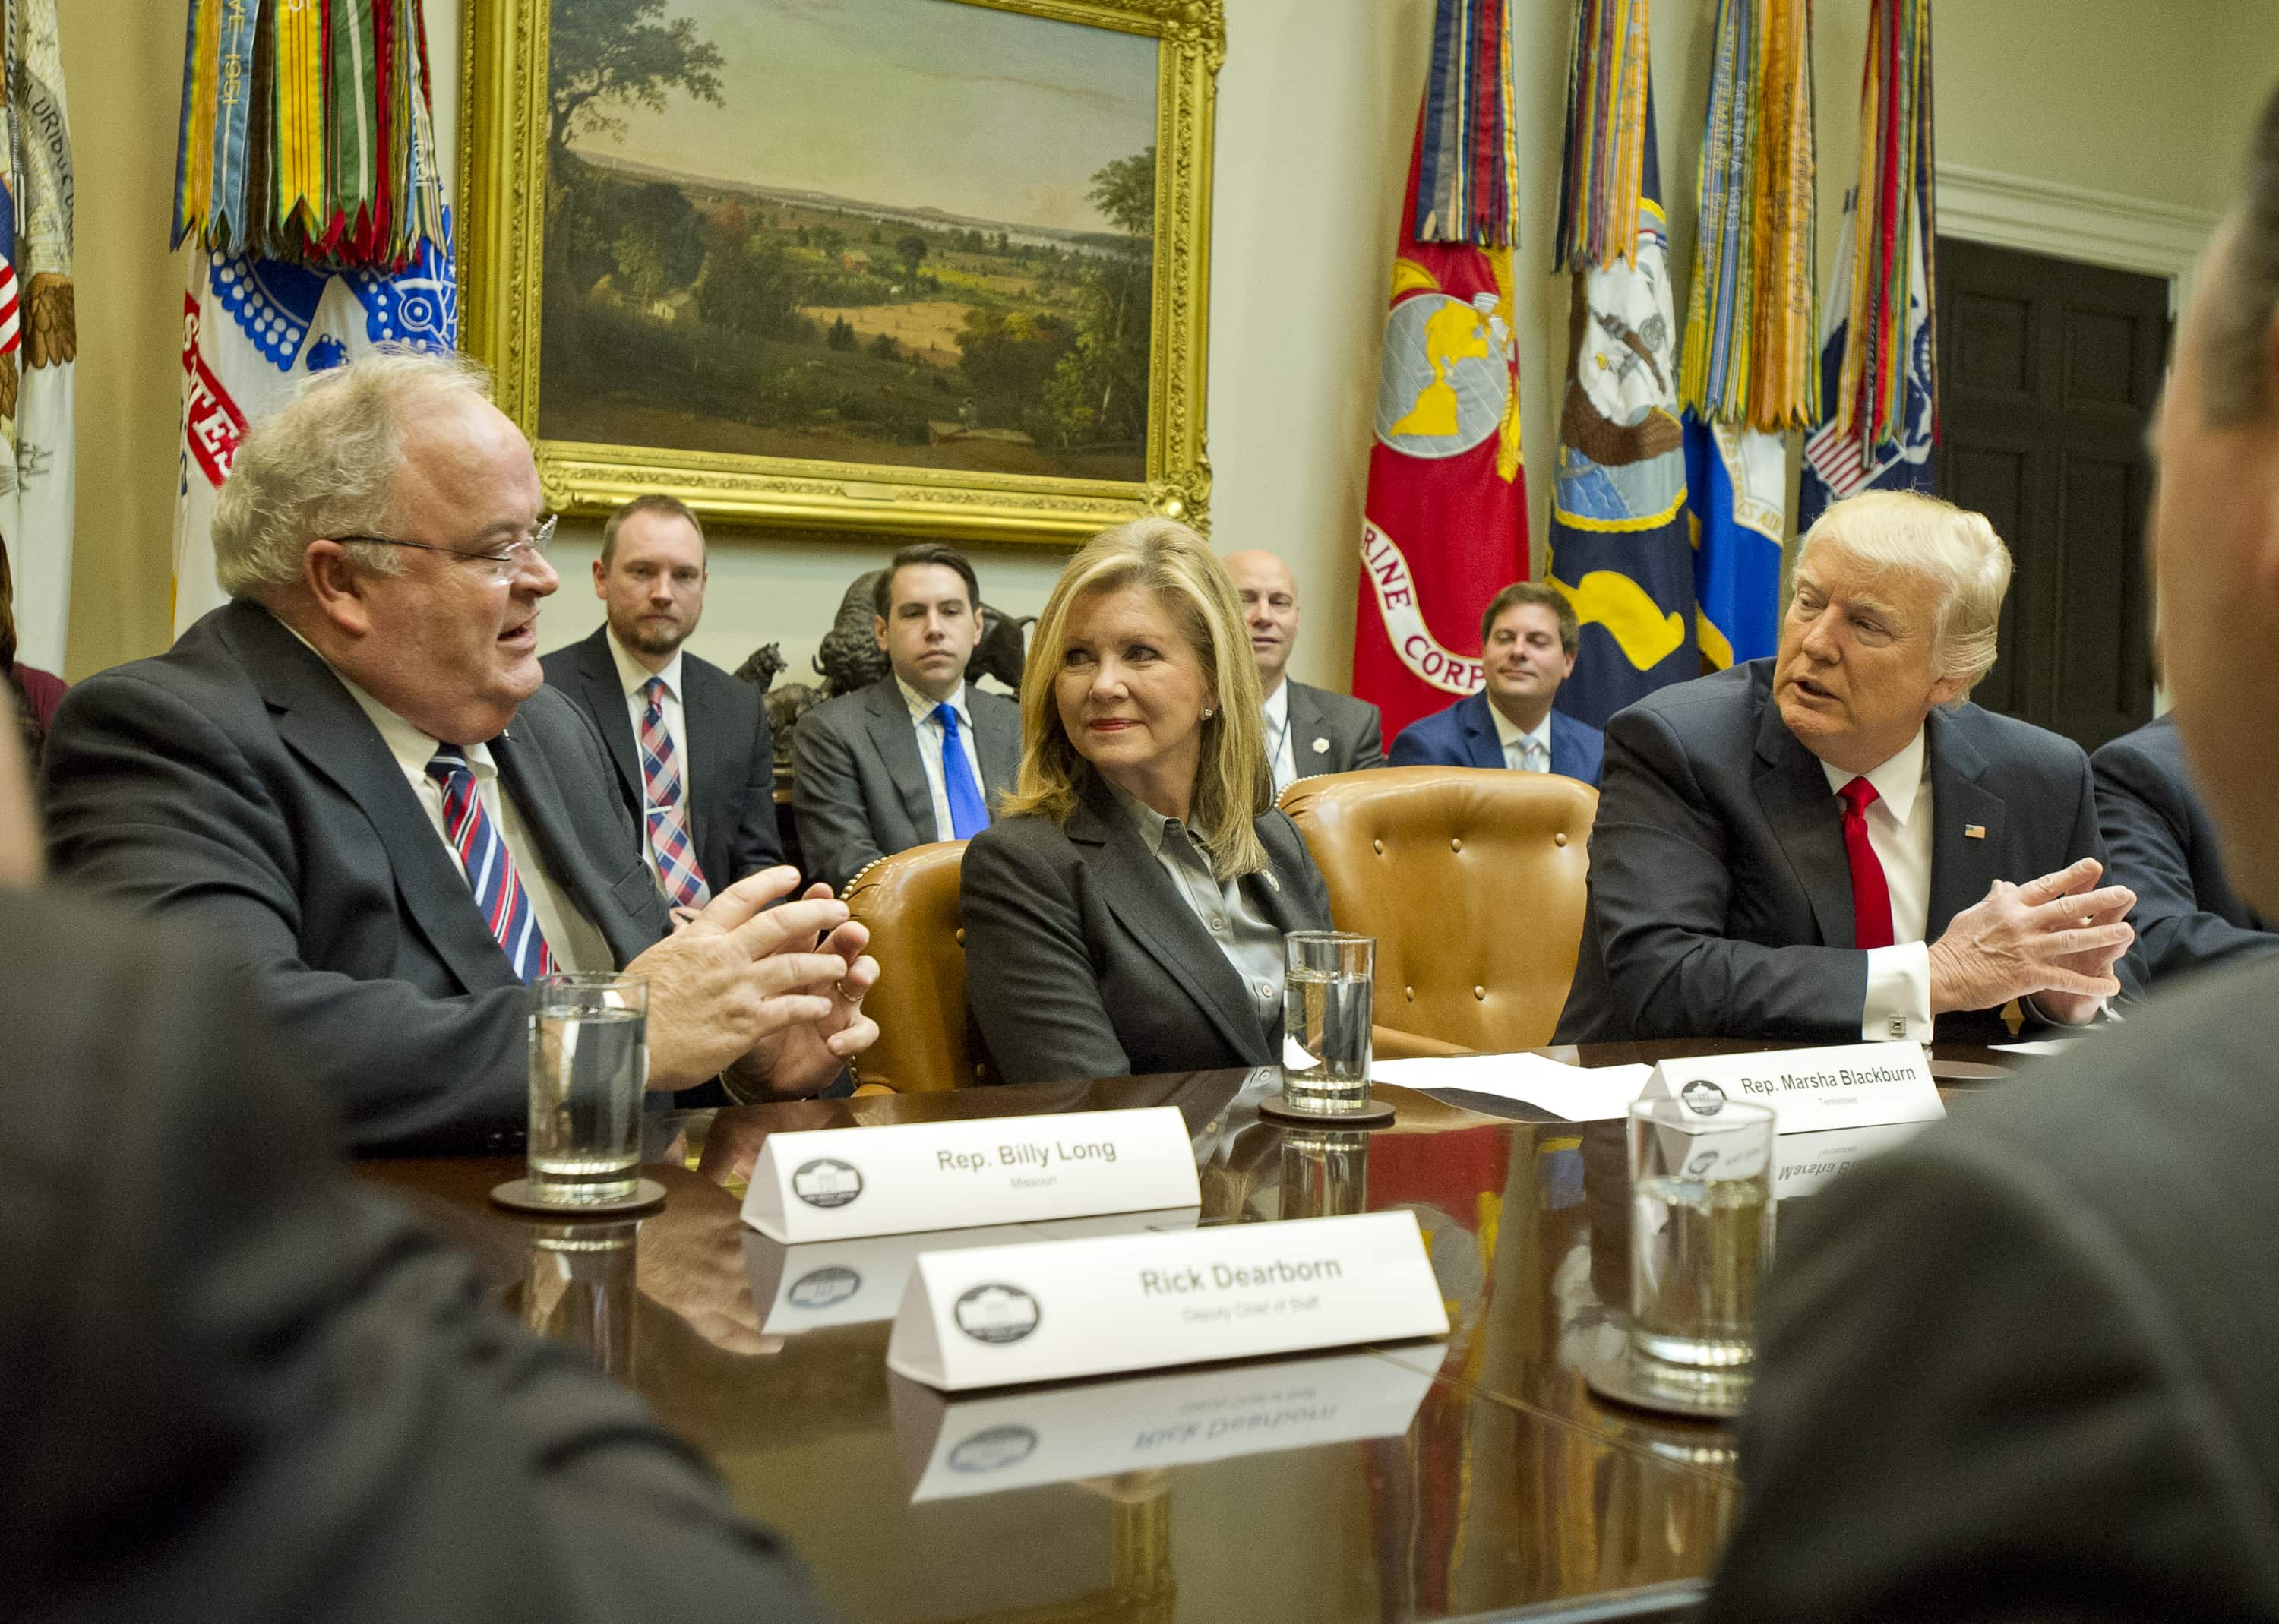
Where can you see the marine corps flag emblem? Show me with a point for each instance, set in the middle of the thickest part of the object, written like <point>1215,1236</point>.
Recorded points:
<point>1445,526</point>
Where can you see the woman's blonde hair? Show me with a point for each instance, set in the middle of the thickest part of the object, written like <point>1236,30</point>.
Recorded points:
<point>1233,784</point>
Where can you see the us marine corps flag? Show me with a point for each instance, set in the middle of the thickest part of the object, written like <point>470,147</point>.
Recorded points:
<point>1618,536</point>
<point>1446,523</point>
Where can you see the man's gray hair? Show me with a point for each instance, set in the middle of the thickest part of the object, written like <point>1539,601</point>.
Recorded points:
<point>2242,303</point>
<point>324,466</point>
<point>1955,549</point>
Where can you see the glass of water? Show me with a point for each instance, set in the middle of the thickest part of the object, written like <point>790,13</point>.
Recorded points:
<point>1702,1237</point>
<point>589,1066</point>
<point>1328,987</point>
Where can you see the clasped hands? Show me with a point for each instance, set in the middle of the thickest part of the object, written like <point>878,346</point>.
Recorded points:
<point>774,996</point>
<point>2054,939</point>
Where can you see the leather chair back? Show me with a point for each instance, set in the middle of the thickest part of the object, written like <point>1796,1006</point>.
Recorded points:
<point>910,903</point>
<point>1473,883</point>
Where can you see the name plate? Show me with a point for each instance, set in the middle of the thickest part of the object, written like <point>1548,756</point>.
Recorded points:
<point>1810,1091</point>
<point>824,1284</point>
<point>954,1448</point>
<point>1005,1314</point>
<point>839,1183</point>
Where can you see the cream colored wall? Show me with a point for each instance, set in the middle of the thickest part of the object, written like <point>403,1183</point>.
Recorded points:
<point>1316,106</point>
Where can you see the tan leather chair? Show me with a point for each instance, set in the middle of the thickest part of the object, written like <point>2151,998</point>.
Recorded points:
<point>910,901</point>
<point>1472,881</point>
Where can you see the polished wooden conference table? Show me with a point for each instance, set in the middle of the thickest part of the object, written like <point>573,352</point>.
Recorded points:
<point>1512,1492</point>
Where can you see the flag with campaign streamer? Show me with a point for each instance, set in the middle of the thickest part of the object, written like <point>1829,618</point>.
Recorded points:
<point>1749,375</point>
<point>1879,364</point>
<point>308,186</point>
<point>306,131</point>
<point>1618,539</point>
<point>1445,520</point>
<point>39,332</point>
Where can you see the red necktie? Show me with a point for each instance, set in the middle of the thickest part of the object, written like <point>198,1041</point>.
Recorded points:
<point>1871,893</point>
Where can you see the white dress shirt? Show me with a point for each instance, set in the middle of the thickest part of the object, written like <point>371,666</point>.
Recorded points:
<point>575,942</point>
<point>632,676</point>
<point>1898,1007</point>
<point>928,728</point>
<point>1525,750</point>
<point>1279,752</point>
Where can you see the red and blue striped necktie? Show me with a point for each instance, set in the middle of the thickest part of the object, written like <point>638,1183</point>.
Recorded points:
<point>489,867</point>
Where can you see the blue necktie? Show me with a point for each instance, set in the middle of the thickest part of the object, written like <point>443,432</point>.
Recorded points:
<point>969,814</point>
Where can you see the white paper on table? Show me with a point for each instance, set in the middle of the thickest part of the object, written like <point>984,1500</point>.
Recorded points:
<point>2036,1045</point>
<point>1577,1094</point>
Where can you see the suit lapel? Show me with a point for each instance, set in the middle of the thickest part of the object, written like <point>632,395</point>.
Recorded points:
<point>1792,790</point>
<point>604,697</point>
<point>702,717</point>
<point>1962,867</point>
<point>1305,727</point>
<point>321,722</point>
<point>895,738</point>
<point>1146,903</point>
<point>1480,741</point>
<point>997,740</point>
<point>539,800</point>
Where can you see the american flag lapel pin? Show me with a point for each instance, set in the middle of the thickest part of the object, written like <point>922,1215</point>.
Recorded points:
<point>1974,832</point>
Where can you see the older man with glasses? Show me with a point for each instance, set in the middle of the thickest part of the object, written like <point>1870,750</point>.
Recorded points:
<point>353,778</point>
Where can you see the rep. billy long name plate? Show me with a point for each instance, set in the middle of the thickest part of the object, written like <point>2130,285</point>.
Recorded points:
<point>1004,1314</point>
<point>835,1184</point>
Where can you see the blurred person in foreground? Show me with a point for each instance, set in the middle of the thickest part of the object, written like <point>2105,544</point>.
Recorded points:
<point>235,1384</point>
<point>2021,1368</point>
<point>1125,913</point>
<point>352,778</point>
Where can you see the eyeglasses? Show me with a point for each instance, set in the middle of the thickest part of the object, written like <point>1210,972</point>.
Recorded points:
<point>505,565</point>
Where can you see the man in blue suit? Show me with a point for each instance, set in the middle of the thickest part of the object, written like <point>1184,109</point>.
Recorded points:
<point>1528,640</point>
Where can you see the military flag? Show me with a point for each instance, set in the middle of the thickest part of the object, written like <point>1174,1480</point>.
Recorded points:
<point>309,190</point>
<point>1878,358</point>
<point>39,340</point>
<point>1445,519</point>
<point>1748,375</point>
<point>1618,538</point>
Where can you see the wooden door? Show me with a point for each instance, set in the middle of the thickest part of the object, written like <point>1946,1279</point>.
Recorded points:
<point>2048,371</point>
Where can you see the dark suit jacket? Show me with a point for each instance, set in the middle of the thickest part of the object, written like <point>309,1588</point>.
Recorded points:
<point>2163,847</point>
<point>1082,959</point>
<point>237,1386</point>
<point>1720,903</point>
<point>233,783</point>
<point>859,784</point>
<point>1464,735</point>
<point>1332,733</point>
<point>2021,1368</point>
<point>731,803</point>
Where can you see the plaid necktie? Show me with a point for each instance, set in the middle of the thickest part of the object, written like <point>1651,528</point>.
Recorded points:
<point>490,867</point>
<point>678,875</point>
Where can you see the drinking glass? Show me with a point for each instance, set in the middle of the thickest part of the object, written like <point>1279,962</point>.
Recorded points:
<point>1327,1004</point>
<point>589,1066</point>
<point>578,1289</point>
<point>1701,1236</point>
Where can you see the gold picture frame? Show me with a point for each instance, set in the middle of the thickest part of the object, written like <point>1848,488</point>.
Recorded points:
<point>503,197</point>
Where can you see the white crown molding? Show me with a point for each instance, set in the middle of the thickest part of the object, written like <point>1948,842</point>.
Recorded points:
<point>2073,222</point>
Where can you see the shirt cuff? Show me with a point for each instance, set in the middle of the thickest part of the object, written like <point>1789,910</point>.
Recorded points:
<point>2103,1012</point>
<point>1897,1008</point>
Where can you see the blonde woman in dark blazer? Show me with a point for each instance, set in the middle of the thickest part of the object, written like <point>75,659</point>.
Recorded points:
<point>1125,913</point>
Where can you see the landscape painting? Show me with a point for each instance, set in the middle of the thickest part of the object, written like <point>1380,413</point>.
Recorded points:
<point>915,233</point>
